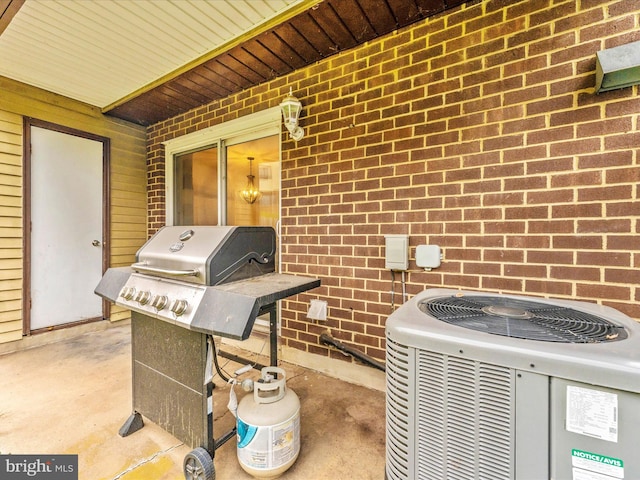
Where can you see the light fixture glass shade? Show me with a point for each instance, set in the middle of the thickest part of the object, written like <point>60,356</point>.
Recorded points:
<point>251,193</point>
<point>291,108</point>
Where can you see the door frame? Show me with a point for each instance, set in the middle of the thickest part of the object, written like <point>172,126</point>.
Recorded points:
<point>26,216</point>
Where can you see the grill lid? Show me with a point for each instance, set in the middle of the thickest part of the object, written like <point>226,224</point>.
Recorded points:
<point>525,319</point>
<point>208,255</point>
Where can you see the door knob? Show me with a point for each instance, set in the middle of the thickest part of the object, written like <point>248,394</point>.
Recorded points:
<point>96,243</point>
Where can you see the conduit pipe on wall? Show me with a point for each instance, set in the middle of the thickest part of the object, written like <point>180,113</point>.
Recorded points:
<point>327,339</point>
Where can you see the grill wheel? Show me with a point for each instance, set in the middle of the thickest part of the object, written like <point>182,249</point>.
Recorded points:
<point>198,465</point>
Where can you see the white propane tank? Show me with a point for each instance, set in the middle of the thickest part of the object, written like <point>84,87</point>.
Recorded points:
<point>268,425</point>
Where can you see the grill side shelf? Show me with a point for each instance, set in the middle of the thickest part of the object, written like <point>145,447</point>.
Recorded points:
<point>230,310</point>
<point>112,282</point>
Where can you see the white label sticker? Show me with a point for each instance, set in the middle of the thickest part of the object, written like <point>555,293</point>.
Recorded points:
<point>268,447</point>
<point>592,466</point>
<point>593,413</point>
<point>585,475</point>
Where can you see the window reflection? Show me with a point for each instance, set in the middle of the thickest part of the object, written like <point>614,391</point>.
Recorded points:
<point>196,188</point>
<point>266,170</point>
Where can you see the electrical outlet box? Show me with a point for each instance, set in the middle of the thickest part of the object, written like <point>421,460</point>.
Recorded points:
<point>317,310</point>
<point>396,252</point>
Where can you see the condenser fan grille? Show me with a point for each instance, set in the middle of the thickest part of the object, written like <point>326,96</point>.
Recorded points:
<point>519,318</point>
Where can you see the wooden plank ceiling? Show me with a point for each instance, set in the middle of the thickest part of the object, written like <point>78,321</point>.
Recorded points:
<point>135,51</point>
<point>325,29</point>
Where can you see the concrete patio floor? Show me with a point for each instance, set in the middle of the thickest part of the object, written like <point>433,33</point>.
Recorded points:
<point>72,397</point>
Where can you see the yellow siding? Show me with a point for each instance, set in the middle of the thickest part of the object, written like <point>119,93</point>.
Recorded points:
<point>10,226</point>
<point>128,186</point>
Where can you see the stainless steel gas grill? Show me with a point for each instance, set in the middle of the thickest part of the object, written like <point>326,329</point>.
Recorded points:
<point>187,285</point>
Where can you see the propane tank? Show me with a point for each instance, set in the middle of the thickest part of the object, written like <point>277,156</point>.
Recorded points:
<point>268,424</point>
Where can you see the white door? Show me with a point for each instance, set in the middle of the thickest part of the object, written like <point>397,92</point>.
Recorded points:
<point>66,228</point>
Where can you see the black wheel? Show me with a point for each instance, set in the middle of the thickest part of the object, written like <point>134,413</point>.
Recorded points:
<point>198,465</point>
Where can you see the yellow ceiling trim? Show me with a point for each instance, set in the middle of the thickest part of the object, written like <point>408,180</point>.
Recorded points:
<point>298,8</point>
<point>8,10</point>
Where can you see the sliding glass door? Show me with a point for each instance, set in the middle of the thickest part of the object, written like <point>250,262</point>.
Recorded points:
<point>258,159</point>
<point>234,182</point>
<point>207,177</point>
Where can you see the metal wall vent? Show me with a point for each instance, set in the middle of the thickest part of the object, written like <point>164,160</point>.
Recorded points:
<point>525,319</point>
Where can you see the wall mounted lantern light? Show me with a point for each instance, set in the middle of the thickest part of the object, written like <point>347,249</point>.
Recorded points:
<point>251,193</point>
<point>618,67</point>
<point>291,108</point>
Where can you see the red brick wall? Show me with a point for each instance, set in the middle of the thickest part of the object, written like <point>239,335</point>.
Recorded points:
<point>479,133</point>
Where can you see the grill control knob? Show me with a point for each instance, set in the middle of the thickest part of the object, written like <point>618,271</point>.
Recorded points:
<point>179,307</point>
<point>143,297</point>
<point>127,293</point>
<point>159,302</point>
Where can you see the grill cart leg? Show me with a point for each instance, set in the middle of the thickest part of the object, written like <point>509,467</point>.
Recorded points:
<point>273,333</point>
<point>198,461</point>
<point>198,465</point>
<point>132,425</point>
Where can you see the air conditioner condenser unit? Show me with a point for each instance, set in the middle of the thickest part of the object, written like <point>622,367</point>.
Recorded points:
<point>505,387</point>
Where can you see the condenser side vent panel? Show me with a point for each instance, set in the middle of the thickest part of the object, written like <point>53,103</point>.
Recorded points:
<point>465,418</point>
<point>400,410</point>
<point>464,426</point>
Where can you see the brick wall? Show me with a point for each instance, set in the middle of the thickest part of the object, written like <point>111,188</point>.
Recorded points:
<point>479,133</point>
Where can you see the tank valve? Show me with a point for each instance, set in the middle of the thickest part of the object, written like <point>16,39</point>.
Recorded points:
<point>247,385</point>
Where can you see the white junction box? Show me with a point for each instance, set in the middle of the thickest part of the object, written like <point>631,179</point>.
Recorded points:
<point>428,256</point>
<point>396,252</point>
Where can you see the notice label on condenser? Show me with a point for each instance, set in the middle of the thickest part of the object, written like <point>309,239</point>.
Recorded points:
<point>593,413</point>
<point>592,466</point>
